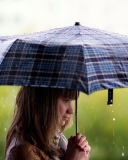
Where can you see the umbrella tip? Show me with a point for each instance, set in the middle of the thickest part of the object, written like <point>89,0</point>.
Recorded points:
<point>77,23</point>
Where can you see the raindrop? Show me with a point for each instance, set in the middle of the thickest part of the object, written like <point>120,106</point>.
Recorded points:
<point>122,154</point>
<point>123,147</point>
<point>114,119</point>
<point>5,129</point>
<point>112,111</point>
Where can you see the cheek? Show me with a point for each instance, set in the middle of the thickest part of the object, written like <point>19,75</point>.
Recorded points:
<point>61,110</point>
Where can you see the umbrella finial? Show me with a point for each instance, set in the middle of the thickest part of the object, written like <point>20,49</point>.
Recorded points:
<point>77,23</point>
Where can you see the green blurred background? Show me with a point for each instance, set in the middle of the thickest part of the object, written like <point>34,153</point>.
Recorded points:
<point>104,126</point>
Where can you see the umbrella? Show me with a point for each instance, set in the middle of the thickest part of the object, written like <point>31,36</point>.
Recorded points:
<point>74,57</point>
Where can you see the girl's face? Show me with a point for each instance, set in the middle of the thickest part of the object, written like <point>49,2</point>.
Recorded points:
<point>65,109</point>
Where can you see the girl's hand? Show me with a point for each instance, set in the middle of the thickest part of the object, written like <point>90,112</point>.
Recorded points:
<point>82,143</point>
<point>78,148</point>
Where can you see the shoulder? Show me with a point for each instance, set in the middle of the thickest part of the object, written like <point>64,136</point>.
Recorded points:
<point>22,151</point>
<point>25,151</point>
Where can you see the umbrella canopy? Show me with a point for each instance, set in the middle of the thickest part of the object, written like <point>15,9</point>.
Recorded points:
<point>75,57</point>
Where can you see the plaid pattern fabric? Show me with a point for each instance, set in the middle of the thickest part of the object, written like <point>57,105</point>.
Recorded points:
<point>75,57</point>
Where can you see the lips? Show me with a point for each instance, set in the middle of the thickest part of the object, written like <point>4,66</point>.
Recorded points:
<point>66,118</point>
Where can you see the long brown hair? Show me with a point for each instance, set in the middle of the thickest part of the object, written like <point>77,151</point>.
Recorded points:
<point>36,116</point>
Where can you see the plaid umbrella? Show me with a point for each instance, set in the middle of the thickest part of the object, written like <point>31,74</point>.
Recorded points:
<point>75,57</point>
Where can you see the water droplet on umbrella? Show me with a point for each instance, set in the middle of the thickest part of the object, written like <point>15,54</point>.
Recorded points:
<point>114,119</point>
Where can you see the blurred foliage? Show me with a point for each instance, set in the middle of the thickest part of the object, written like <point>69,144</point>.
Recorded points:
<point>7,102</point>
<point>105,127</point>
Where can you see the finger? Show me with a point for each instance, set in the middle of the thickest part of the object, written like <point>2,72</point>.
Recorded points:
<point>82,141</point>
<point>78,136</point>
<point>87,149</point>
<point>88,155</point>
<point>83,144</point>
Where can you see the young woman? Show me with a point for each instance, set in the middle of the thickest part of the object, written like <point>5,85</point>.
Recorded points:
<point>40,117</point>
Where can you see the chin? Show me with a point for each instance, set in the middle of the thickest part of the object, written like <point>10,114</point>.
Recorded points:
<point>63,123</point>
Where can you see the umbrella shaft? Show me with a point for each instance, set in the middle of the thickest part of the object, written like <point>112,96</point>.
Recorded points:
<point>76,114</point>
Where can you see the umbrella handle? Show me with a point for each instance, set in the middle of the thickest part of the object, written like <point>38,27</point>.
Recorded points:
<point>110,97</point>
<point>76,113</point>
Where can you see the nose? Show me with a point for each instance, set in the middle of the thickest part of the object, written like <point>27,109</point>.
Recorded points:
<point>70,109</point>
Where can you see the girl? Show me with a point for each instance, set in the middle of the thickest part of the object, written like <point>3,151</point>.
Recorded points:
<point>41,115</point>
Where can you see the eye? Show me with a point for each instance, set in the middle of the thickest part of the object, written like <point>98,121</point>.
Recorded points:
<point>65,100</point>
